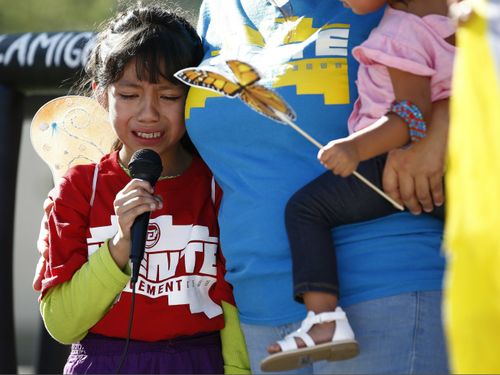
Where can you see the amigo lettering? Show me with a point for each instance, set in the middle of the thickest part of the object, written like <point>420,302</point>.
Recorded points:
<point>68,49</point>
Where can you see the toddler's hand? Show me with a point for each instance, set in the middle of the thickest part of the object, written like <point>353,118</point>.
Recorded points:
<point>340,156</point>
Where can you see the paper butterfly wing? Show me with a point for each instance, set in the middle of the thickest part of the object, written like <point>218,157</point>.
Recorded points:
<point>267,102</point>
<point>71,130</point>
<point>209,80</point>
<point>244,73</point>
<point>258,97</point>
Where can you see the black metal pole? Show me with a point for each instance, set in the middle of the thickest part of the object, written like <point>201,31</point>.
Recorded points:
<point>10,134</point>
<point>29,61</point>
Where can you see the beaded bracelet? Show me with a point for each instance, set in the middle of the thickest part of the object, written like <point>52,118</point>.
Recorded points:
<point>412,116</point>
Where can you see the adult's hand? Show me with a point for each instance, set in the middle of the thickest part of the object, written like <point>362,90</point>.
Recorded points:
<point>414,176</point>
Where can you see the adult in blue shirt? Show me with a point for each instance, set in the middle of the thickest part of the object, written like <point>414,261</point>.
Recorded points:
<point>390,269</point>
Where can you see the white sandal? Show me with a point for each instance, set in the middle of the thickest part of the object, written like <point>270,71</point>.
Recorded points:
<point>342,346</point>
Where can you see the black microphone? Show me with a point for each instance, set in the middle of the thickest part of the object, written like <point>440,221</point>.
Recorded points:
<point>146,165</point>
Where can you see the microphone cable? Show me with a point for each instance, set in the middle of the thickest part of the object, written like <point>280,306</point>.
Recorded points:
<point>145,164</point>
<point>127,342</point>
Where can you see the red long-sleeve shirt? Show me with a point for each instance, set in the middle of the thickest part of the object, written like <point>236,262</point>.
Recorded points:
<point>181,283</point>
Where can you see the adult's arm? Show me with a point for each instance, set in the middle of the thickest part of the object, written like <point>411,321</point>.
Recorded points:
<point>414,176</point>
<point>70,309</point>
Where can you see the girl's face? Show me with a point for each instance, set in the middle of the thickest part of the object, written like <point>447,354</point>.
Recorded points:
<point>146,115</point>
<point>363,6</point>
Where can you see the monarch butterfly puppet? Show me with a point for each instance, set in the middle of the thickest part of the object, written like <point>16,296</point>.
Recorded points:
<point>257,97</point>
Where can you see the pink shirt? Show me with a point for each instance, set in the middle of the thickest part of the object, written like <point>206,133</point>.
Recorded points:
<point>406,42</point>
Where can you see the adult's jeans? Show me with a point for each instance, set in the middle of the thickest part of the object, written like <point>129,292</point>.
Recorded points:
<point>401,334</point>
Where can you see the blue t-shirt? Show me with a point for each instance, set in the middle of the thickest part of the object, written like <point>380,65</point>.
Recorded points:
<point>303,51</point>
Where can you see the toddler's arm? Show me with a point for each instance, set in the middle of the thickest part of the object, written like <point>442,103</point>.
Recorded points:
<point>342,156</point>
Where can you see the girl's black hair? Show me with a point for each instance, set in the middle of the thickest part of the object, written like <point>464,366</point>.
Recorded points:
<point>161,42</point>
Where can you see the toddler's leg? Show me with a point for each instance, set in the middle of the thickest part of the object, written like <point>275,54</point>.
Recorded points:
<point>311,213</point>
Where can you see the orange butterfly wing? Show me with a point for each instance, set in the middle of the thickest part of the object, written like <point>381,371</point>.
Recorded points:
<point>210,80</point>
<point>258,97</point>
<point>244,73</point>
<point>267,102</point>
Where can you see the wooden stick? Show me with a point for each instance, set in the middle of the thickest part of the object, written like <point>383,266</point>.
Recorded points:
<point>355,173</point>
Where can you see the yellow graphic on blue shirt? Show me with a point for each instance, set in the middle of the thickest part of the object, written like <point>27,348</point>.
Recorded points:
<point>324,74</point>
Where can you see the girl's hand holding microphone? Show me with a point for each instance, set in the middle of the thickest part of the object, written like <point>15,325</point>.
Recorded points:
<point>133,200</point>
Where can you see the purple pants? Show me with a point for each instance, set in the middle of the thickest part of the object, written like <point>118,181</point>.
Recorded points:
<point>96,354</point>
